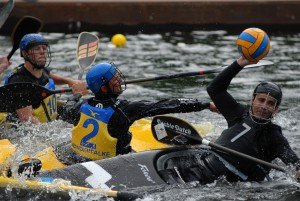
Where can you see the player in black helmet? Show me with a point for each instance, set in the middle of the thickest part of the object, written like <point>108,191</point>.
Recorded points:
<point>250,131</point>
<point>250,128</point>
<point>265,102</point>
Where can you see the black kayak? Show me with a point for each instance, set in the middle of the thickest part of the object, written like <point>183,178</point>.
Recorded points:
<point>124,171</point>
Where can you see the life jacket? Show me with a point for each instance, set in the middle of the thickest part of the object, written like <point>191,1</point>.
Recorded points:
<point>47,111</point>
<point>90,138</point>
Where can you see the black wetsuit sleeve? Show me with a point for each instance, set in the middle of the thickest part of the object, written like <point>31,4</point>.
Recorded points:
<point>217,91</point>
<point>70,112</point>
<point>140,109</point>
<point>285,152</point>
<point>128,112</point>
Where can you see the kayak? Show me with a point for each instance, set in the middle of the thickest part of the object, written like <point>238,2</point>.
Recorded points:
<point>111,177</point>
<point>142,140</point>
<point>119,177</point>
<point>113,173</point>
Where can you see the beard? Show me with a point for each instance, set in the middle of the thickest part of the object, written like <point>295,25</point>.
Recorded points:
<point>40,65</point>
<point>260,114</point>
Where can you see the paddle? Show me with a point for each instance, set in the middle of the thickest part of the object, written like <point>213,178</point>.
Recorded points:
<point>172,130</point>
<point>5,12</point>
<point>64,187</point>
<point>19,95</point>
<point>261,63</point>
<point>87,49</point>
<point>25,25</point>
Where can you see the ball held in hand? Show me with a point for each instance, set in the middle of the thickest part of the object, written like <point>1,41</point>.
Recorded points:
<point>253,44</point>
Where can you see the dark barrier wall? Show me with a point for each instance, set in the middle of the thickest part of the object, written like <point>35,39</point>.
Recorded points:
<point>75,16</point>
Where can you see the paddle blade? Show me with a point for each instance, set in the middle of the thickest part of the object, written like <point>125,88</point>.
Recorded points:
<point>172,130</point>
<point>5,12</point>
<point>261,63</point>
<point>19,95</point>
<point>87,49</point>
<point>25,25</point>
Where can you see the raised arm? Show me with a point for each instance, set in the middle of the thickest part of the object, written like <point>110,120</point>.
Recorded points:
<point>217,91</point>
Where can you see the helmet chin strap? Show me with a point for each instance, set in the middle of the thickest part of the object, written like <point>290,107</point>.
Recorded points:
<point>258,120</point>
<point>108,93</point>
<point>35,65</point>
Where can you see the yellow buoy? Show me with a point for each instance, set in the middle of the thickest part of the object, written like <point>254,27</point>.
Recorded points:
<point>118,40</point>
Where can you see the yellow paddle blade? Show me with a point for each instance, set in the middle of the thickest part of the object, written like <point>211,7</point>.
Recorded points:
<point>7,150</point>
<point>142,138</point>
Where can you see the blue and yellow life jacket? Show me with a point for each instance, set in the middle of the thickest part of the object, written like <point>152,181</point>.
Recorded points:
<point>90,138</point>
<point>47,111</point>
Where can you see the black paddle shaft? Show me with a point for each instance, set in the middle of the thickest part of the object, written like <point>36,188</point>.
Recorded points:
<point>200,72</point>
<point>25,25</point>
<point>169,129</point>
<point>19,95</point>
<point>245,156</point>
<point>178,75</point>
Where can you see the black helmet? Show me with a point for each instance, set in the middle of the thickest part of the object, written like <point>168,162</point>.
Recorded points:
<point>269,88</point>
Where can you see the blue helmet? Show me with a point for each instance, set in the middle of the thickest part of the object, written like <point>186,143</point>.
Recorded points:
<point>99,75</point>
<point>30,40</point>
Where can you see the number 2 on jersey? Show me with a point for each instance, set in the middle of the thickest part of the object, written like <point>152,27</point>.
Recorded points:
<point>84,142</point>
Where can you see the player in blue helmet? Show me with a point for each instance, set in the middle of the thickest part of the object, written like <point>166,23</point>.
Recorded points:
<point>35,50</point>
<point>101,124</point>
<point>111,80</point>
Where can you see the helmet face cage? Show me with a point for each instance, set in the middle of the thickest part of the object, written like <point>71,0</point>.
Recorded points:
<point>271,88</point>
<point>32,51</point>
<point>119,84</point>
<point>263,107</point>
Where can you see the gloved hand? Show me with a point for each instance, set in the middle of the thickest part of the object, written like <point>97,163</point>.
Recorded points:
<point>30,167</point>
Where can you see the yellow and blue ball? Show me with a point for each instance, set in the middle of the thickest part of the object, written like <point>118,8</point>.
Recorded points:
<point>253,44</point>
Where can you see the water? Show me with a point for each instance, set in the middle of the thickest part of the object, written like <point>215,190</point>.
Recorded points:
<point>150,55</point>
